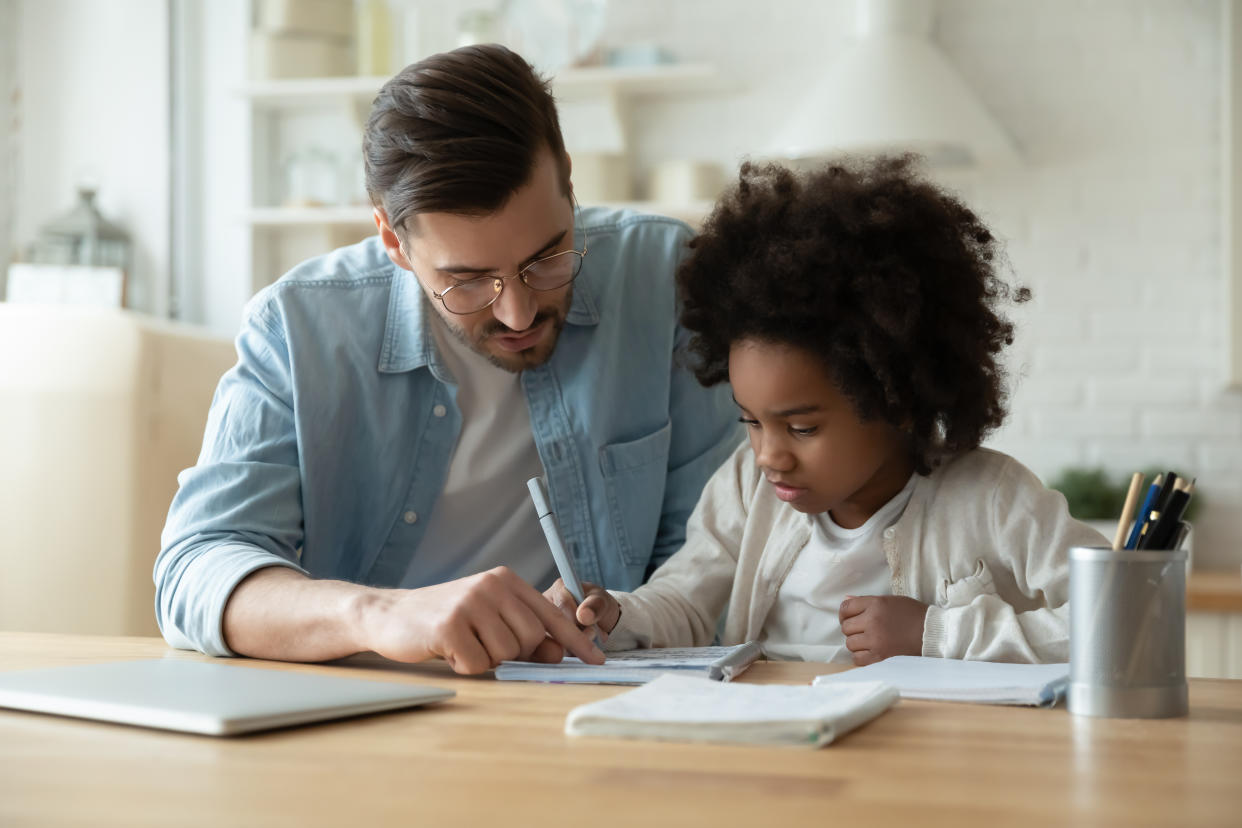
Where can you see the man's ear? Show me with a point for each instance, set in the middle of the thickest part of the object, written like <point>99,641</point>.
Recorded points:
<point>388,237</point>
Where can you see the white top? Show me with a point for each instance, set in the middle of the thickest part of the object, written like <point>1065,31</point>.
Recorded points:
<point>834,564</point>
<point>484,516</point>
<point>982,542</point>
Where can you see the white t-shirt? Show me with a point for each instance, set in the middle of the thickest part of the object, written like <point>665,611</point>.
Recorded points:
<point>835,563</point>
<point>484,516</point>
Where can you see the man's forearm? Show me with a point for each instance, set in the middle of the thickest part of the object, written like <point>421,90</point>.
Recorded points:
<point>278,613</point>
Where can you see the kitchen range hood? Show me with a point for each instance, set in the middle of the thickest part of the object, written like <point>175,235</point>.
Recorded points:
<point>892,90</point>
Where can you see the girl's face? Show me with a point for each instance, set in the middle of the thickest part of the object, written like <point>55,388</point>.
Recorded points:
<point>807,437</point>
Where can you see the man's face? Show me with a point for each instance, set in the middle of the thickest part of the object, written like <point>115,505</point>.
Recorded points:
<point>520,329</point>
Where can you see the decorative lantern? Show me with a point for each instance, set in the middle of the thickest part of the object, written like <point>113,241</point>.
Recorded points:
<point>82,237</point>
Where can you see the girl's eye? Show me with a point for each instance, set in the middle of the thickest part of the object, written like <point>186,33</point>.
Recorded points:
<point>804,432</point>
<point>749,423</point>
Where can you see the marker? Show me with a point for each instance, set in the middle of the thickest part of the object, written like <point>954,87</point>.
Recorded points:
<point>547,521</point>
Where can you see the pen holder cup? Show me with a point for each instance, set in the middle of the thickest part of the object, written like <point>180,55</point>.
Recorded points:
<point>1127,632</point>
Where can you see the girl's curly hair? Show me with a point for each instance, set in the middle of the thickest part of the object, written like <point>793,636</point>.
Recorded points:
<point>886,278</point>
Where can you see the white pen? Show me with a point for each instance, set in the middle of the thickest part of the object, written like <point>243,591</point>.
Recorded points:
<point>547,521</point>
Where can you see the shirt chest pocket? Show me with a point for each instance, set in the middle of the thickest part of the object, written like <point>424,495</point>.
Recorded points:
<point>634,477</point>
<point>961,592</point>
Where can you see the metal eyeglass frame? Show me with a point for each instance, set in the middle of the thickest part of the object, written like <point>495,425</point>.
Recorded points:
<point>498,282</point>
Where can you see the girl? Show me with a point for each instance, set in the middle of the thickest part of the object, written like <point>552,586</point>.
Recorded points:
<point>854,311</point>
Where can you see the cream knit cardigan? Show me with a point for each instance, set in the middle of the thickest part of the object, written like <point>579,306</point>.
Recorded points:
<point>982,542</point>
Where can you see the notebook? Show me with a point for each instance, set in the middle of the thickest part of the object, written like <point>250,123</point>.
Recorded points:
<point>639,666</point>
<point>681,708</point>
<point>214,698</point>
<point>949,679</point>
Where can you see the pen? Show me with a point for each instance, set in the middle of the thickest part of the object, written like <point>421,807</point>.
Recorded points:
<point>547,521</point>
<point>1171,482</point>
<point>1140,520</point>
<point>1158,507</point>
<point>1167,527</point>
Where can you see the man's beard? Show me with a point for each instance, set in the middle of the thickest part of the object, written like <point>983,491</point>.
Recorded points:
<point>518,361</point>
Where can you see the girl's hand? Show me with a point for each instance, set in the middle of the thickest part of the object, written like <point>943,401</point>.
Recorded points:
<point>598,609</point>
<point>879,626</point>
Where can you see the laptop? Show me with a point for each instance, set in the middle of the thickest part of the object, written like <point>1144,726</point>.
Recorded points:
<point>213,698</point>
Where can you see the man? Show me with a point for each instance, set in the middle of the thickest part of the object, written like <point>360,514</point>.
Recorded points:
<point>362,479</point>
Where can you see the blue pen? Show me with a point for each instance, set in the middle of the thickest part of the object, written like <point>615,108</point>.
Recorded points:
<point>1143,513</point>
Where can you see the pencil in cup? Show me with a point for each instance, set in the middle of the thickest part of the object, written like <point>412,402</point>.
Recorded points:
<point>1123,522</point>
<point>1127,511</point>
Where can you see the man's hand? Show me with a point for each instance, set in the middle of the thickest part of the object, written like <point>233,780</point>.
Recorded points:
<point>879,626</point>
<point>598,609</point>
<point>474,624</point>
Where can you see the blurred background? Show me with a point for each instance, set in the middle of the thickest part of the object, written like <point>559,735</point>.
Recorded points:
<point>161,160</point>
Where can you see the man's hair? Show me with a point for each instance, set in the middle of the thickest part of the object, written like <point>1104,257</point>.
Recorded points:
<point>889,281</point>
<point>459,132</point>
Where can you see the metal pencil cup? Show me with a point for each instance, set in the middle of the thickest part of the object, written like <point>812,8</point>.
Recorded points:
<point>1127,632</point>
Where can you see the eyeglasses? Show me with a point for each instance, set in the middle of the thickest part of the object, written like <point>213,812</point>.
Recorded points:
<point>548,273</point>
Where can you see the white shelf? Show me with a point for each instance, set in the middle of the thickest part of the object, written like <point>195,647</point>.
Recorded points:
<point>309,216</point>
<point>301,91</point>
<point>691,213</point>
<point>668,79</point>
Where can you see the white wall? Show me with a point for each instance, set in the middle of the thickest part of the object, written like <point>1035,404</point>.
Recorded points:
<point>218,281</point>
<point>93,102</point>
<point>8,131</point>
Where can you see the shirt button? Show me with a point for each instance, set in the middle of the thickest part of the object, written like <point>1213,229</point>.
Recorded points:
<point>410,517</point>
<point>888,533</point>
<point>439,411</point>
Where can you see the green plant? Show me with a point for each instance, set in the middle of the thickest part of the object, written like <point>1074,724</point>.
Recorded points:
<point>1091,493</point>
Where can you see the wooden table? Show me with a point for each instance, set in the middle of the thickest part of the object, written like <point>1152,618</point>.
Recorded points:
<point>1214,590</point>
<point>496,756</point>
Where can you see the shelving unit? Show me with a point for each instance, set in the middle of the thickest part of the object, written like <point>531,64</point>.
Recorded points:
<point>361,216</point>
<point>283,235</point>
<point>591,81</point>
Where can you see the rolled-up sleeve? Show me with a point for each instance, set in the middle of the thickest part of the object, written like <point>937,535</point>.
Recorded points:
<point>239,509</point>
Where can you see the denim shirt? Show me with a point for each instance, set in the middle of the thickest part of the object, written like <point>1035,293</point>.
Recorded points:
<point>329,441</point>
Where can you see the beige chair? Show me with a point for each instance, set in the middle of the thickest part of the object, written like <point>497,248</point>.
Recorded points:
<point>99,411</point>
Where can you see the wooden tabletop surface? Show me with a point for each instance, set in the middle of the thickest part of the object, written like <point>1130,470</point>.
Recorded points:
<point>1214,590</point>
<point>496,755</point>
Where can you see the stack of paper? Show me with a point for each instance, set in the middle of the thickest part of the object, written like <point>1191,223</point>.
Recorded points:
<point>948,679</point>
<point>639,666</point>
<point>688,709</point>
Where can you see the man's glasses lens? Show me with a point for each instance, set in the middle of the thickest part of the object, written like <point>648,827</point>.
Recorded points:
<point>472,296</point>
<point>554,271</point>
<point>551,273</point>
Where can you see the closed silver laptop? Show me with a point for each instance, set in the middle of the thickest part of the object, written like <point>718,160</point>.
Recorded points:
<point>214,698</point>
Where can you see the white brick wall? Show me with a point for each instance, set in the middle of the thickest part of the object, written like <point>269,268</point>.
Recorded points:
<point>1114,222</point>
<point>8,132</point>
